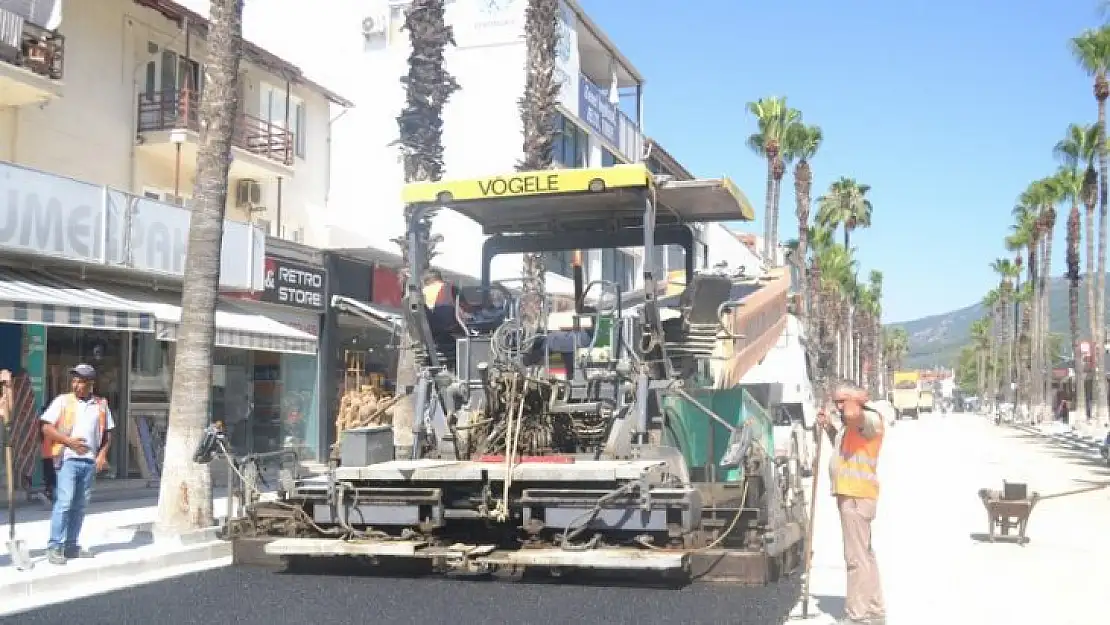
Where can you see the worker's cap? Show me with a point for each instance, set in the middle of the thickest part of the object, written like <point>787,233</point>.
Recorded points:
<point>83,371</point>
<point>850,393</point>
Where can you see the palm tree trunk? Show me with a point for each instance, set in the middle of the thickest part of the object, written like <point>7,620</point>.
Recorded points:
<point>768,212</point>
<point>428,86</point>
<point>185,494</point>
<point>1073,307</point>
<point>537,113</point>
<point>1099,344</point>
<point>1045,327</point>
<point>778,171</point>
<point>1092,312</point>
<point>803,178</point>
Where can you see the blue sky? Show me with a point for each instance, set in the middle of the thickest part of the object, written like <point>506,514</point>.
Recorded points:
<point>947,108</point>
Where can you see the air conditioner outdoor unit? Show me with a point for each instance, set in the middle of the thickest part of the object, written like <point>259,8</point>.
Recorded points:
<point>375,25</point>
<point>248,193</point>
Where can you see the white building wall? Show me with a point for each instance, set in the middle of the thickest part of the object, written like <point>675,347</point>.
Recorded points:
<point>89,132</point>
<point>482,128</point>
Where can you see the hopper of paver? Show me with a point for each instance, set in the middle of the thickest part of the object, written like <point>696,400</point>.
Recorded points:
<point>704,440</point>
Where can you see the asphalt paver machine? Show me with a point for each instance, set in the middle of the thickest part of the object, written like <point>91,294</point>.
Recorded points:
<point>627,457</point>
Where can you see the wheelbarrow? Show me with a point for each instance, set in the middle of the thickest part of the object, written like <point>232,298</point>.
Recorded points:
<point>1009,509</point>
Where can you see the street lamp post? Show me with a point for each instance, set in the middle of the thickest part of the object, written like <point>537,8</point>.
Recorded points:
<point>1014,339</point>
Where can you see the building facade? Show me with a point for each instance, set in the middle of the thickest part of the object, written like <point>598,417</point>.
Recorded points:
<point>98,134</point>
<point>110,93</point>
<point>599,120</point>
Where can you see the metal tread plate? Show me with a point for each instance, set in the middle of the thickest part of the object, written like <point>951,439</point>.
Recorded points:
<point>469,471</point>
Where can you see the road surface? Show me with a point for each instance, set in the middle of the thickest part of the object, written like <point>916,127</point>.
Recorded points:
<point>934,569</point>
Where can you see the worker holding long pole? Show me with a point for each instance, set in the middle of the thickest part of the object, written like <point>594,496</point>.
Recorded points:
<point>853,471</point>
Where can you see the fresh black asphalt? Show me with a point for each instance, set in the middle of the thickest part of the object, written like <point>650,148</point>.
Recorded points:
<point>259,596</point>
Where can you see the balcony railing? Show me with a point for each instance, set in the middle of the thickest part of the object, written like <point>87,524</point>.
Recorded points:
<point>31,47</point>
<point>172,109</point>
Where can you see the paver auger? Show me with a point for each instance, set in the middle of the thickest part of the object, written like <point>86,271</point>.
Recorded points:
<point>625,457</point>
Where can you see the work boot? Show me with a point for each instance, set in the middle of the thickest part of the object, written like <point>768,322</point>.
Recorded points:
<point>55,555</point>
<point>74,552</point>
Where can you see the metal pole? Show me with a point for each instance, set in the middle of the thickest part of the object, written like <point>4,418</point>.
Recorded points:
<point>1013,350</point>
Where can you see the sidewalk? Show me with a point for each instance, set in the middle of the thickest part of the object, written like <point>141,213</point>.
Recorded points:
<point>125,553</point>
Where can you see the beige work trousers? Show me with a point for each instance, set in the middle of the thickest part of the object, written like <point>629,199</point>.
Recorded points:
<point>865,591</point>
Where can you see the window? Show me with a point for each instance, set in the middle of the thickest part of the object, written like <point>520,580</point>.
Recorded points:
<point>572,145</point>
<point>272,111</point>
<point>608,159</point>
<point>298,133</point>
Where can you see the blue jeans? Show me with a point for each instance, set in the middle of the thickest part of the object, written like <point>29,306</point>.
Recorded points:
<point>75,484</point>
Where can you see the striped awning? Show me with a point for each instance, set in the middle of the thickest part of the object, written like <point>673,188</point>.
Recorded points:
<point>236,327</point>
<point>34,297</point>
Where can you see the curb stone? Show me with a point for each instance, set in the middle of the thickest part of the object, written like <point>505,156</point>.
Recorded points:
<point>131,566</point>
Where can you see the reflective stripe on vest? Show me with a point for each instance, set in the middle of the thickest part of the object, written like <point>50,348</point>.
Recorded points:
<point>854,470</point>
<point>69,416</point>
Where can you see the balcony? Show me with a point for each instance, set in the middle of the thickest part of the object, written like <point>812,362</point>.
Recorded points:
<point>607,120</point>
<point>260,149</point>
<point>31,61</point>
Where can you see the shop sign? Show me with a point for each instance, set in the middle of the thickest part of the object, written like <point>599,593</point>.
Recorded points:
<point>294,284</point>
<point>597,111</point>
<point>47,215</point>
<point>486,22</point>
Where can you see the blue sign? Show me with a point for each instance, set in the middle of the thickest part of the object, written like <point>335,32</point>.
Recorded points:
<point>595,109</point>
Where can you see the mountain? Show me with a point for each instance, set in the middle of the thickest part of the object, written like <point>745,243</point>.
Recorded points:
<point>937,339</point>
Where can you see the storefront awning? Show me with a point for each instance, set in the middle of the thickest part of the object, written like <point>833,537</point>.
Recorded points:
<point>237,327</point>
<point>372,314</point>
<point>32,297</point>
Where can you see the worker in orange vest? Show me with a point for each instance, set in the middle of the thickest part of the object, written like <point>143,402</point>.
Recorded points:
<point>853,470</point>
<point>79,426</point>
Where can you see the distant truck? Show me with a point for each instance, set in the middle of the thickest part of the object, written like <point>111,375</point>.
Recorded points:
<point>906,394</point>
<point>925,400</point>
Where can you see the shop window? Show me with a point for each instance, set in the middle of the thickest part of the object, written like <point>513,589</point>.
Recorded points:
<point>104,350</point>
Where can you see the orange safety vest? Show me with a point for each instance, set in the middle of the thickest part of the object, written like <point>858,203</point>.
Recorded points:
<point>854,469</point>
<point>439,294</point>
<point>53,449</point>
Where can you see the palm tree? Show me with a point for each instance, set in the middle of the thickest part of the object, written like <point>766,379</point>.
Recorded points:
<point>1077,149</point>
<point>991,305</point>
<point>1049,192</point>
<point>773,117</point>
<point>804,141</point>
<point>1025,237</point>
<point>185,495</point>
<point>980,337</point>
<point>1092,51</point>
<point>845,205</point>
<point>1007,273</point>
<point>537,115</point>
<point>428,86</point>
<point>896,345</point>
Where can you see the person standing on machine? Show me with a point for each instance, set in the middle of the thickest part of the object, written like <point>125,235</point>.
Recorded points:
<point>79,424</point>
<point>853,471</point>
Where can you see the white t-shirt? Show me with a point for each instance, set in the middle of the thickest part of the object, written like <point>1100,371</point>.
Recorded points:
<point>86,423</point>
